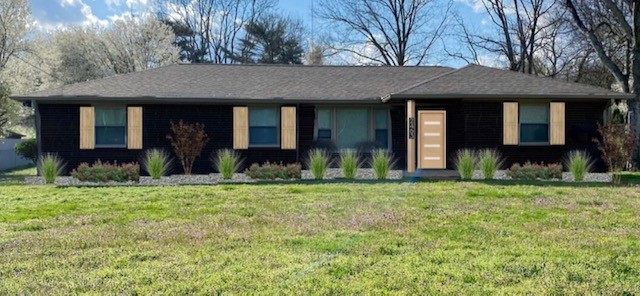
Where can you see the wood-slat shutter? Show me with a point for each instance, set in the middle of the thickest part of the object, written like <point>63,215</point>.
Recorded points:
<point>288,128</point>
<point>134,127</point>
<point>510,123</point>
<point>557,123</point>
<point>240,127</point>
<point>87,128</point>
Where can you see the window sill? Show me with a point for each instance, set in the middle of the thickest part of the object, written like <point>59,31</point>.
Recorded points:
<point>534,144</point>
<point>264,146</point>
<point>110,146</point>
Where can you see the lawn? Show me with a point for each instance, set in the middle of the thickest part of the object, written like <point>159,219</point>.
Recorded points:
<point>402,238</point>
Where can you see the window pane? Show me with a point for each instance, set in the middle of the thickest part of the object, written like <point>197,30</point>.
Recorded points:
<point>324,119</point>
<point>110,135</point>
<point>263,135</point>
<point>381,119</point>
<point>110,116</point>
<point>324,134</point>
<point>534,133</point>
<point>263,117</point>
<point>263,126</point>
<point>534,113</point>
<point>382,137</point>
<point>353,127</point>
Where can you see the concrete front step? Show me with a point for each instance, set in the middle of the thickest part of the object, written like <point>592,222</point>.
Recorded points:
<point>439,175</point>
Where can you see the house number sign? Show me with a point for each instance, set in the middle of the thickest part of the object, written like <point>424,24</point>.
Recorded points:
<point>412,128</point>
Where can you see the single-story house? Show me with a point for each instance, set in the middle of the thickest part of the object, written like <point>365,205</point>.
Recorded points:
<point>277,113</point>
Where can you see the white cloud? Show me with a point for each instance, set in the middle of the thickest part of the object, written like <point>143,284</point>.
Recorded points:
<point>128,3</point>
<point>477,5</point>
<point>493,61</point>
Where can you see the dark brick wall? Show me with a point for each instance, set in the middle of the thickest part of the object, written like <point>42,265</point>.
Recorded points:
<point>469,125</point>
<point>399,135</point>
<point>60,134</point>
<point>483,129</point>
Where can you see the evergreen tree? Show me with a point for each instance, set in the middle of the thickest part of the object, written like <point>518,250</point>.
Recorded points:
<point>271,40</point>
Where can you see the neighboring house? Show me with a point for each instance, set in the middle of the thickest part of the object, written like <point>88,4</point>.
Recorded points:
<point>8,157</point>
<point>277,113</point>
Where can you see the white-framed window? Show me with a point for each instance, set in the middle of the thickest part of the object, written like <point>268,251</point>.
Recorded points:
<point>534,123</point>
<point>111,126</point>
<point>264,126</point>
<point>354,127</point>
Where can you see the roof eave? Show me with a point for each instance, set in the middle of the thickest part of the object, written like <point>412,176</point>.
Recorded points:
<point>149,99</point>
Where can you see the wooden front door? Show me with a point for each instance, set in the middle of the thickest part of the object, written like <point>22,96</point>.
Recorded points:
<point>432,140</point>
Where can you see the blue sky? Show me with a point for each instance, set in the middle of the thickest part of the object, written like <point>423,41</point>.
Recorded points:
<point>52,14</point>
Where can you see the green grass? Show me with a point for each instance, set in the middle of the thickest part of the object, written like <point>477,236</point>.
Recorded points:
<point>386,238</point>
<point>632,178</point>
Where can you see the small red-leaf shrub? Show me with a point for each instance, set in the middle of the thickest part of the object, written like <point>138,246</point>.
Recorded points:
<point>616,143</point>
<point>272,171</point>
<point>534,171</point>
<point>187,141</point>
<point>105,172</point>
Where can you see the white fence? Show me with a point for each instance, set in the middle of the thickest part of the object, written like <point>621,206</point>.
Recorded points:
<point>8,157</point>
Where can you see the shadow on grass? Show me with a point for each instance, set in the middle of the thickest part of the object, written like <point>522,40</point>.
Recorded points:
<point>16,176</point>
<point>421,180</point>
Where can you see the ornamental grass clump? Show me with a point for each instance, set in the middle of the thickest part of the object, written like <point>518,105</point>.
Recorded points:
<point>465,163</point>
<point>349,163</point>
<point>227,162</point>
<point>318,162</point>
<point>381,163</point>
<point>156,162</point>
<point>579,164</point>
<point>51,167</point>
<point>490,162</point>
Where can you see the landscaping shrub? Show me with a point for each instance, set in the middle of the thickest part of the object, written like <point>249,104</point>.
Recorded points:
<point>465,163</point>
<point>227,162</point>
<point>616,143</point>
<point>28,149</point>
<point>579,164</point>
<point>534,171</point>
<point>318,162</point>
<point>187,141</point>
<point>51,167</point>
<point>156,163</point>
<point>349,163</point>
<point>381,162</point>
<point>490,162</point>
<point>272,171</point>
<point>101,172</point>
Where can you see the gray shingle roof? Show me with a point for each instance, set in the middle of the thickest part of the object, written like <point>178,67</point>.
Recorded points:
<point>474,81</point>
<point>207,82</point>
<point>251,82</point>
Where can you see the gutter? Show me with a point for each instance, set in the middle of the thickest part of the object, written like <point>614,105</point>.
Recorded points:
<point>618,96</point>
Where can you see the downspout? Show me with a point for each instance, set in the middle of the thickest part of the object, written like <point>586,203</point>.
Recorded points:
<point>36,111</point>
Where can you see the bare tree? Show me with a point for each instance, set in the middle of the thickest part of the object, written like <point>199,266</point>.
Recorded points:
<point>613,30</point>
<point>398,32</point>
<point>527,33</point>
<point>14,20</point>
<point>209,29</point>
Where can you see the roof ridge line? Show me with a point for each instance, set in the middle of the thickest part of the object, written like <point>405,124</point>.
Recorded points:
<point>387,97</point>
